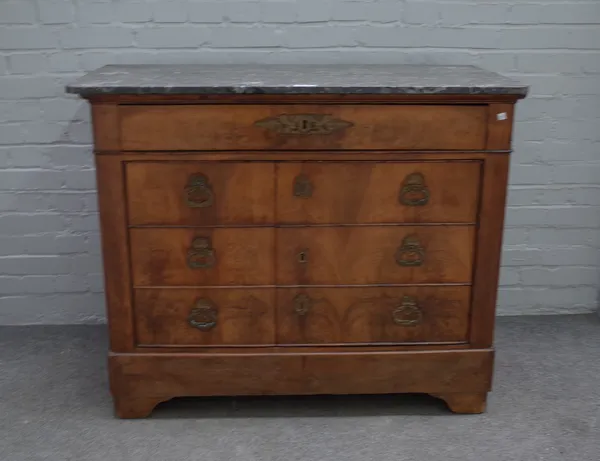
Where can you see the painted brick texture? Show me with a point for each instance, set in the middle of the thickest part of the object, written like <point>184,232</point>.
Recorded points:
<point>50,264</point>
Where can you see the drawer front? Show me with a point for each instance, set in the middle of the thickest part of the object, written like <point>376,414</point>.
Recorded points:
<point>372,315</point>
<point>248,127</point>
<point>370,192</point>
<point>204,317</point>
<point>200,193</point>
<point>205,257</point>
<point>374,254</point>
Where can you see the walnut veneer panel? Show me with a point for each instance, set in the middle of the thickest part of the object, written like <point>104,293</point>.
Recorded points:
<point>377,192</point>
<point>372,315</point>
<point>374,255</point>
<point>200,193</point>
<point>203,317</point>
<point>202,257</point>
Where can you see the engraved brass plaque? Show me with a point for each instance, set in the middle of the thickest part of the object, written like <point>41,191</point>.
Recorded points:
<point>303,124</point>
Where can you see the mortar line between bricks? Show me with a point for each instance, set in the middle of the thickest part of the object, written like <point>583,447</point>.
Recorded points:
<point>547,243</point>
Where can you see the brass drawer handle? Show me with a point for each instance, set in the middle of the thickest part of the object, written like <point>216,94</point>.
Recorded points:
<point>303,124</point>
<point>203,315</point>
<point>410,253</point>
<point>414,192</point>
<point>303,187</point>
<point>302,304</point>
<point>198,192</point>
<point>408,313</point>
<point>201,255</point>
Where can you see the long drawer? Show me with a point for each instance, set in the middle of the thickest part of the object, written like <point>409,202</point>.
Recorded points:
<point>187,193</point>
<point>303,256</point>
<point>372,315</point>
<point>300,316</point>
<point>302,126</point>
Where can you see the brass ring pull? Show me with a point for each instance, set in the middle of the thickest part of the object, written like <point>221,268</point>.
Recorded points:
<point>198,192</point>
<point>411,253</point>
<point>408,313</point>
<point>203,315</point>
<point>303,187</point>
<point>414,192</point>
<point>201,255</point>
<point>302,304</point>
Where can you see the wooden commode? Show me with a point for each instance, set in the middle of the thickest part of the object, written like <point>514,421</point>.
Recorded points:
<point>300,229</point>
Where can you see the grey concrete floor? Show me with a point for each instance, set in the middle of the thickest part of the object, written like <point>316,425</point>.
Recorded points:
<point>55,405</point>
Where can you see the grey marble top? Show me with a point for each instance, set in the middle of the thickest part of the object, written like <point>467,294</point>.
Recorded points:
<point>293,79</point>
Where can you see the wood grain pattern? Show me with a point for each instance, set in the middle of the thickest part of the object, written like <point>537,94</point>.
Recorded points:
<point>489,246</point>
<point>243,317</point>
<point>366,315</point>
<point>365,255</point>
<point>500,121</point>
<point>241,257</point>
<point>134,406</point>
<point>115,252</point>
<point>189,127</point>
<point>241,193</point>
<point>465,402</point>
<point>106,127</point>
<point>369,192</point>
<point>163,376</point>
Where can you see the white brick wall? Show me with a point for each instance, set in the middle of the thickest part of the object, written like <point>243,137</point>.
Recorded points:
<point>50,266</point>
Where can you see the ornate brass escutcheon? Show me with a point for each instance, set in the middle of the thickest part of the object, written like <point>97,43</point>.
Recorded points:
<point>302,303</point>
<point>408,313</point>
<point>411,253</point>
<point>203,315</point>
<point>303,187</point>
<point>303,124</point>
<point>201,255</point>
<point>414,192</point>
<point>198,192</point>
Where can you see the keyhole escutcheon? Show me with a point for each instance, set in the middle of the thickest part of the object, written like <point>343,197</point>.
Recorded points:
<point>303,256</point>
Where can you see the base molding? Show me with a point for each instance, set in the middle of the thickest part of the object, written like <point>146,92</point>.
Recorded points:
<point>140,381</point>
